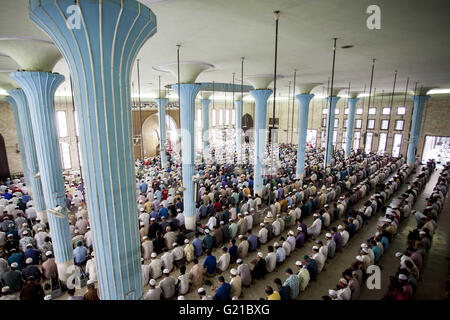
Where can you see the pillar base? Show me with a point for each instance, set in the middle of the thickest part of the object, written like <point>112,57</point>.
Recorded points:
<point>190,223</point>
<point>42,215</point>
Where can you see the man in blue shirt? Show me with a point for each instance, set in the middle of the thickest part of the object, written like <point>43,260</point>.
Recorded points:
<point>233,251</point>
<point>210,264</point>
<point>80,254</point>
<point>282,290</point>
<point>223,291</point>
<point>198,245</point>
<point>208,241</point>
<point>32,253</point>
<point>252,241</point>
<point>311,266</point>
<point>163,212</point>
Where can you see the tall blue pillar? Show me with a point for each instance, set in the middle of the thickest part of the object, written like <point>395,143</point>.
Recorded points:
<point>162,102</point>
<point>39,88</point>
<point>11,100</point>
<point>25,133</point>
<point>239,105</point>
<point>419,103</point>
<point>350,125</point>
<point>188,92</point>
<point>100,54</point>
<point>261,96</point>
<point>303,100</point>
<point>205,120</point>
<point>330,127</point>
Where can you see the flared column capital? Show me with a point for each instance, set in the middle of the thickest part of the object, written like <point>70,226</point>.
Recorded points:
<point>261,96</point>
<point>205,102</point>
<point>304,98</point>
<point>352,101</point>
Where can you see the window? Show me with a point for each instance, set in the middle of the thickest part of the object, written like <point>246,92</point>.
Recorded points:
<point>227,116</point>
<point>371,124</point>
<point>382,143</point>
<point>359,110</point>
<point>220,117</point>
<point>401,111</point>
<point>356,140</point>
<point>325,111</point>
<point>336,123</point>
<point>337,111</point>
<point>233,117</point>
<point>76,123</point>
<point>358,123</point>
<point>399,124</point>
<point>324,122</point>
<point>369,138</point>
<point>387,111</point>
<point>65,155</point>
<point>344,139</point>
<point>199,117</point>
<point>213,119</point>
<point>335,137</point>
<point>199,140</point>
<point>372,110</point>
<point>346,111</point>
<point>396,146</point>
<point>345,123</point>
<point>384,125</point>
<point>62,123</point>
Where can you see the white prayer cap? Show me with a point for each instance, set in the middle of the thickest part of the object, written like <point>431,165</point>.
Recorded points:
<point>5,289</point>
<point>262,224</point>
<point>315,248</point>
<point>152,282</point>
<point>142,259</point>
<point>252,209</point>
<point>141,224</point>
<point>24,224</point>
<point>332,292</point>
<point>340,227</point>
<point>144,238</point>
<point>364,245</point>
<point>90,281</point>
<point>365,250</point>
<point>206,230</point>
<point>289,207</point>
<point>291,232</point>
<point>186,241</point>
<point>233,271</point>
<point>201,290</point>
<point>299,229</point>
<point>326,206</point>
<point>166,271</point>
<point>152,219</point>
<point>328,235</point>
<point>377,234</point>
<point>92,254</point>
<point>401,276</point>
<point>241,236</point>
<point>315,215</point>
<point>221,222</point>
<point>48,297</point>
<point>153,255</point>
<point>235,298</point>
<point>29,261</point>
<point>260,254</point>
<point>142,209</point>
<point>174,244</point>
<point>422,232</point>
<point>29,245</point>
<point>298,263</point>
<point>246,213</point>
<point>239,261</point>
<point>398,254</point>
<point>25,232</point>
<point>180,298</point>
<point>343,280</point>
<point>359,258</point>
<point>276,244</point>
<point>48,253</point>
<point>230,220</point>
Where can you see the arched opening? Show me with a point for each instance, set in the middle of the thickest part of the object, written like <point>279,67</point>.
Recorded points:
<point>247,123</point>
<point>4,168</point>
<point>151,135</point>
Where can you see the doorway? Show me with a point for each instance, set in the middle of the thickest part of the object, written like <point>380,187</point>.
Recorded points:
<point>4,168</point>
<point>437,148</point>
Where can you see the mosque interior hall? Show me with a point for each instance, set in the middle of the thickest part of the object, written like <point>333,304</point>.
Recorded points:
<point>224,150</point>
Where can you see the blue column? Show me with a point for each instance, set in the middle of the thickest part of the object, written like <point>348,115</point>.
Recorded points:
<point>205,120</point>
<point>162,102</point>
<point>100,55</point>
<point>39,88</point>
<point>350,125</point>
<point>239,105</point>
<point>25,130</point>
<point>419,103</point>
<point>188,92</point>
<point>13,104</point>
<point>303,100</point>
<point>330,127</point>
<point>261,96</point>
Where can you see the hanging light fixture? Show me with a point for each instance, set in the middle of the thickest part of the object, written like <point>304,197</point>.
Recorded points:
<point>329,105</point>
<point>293,104</point>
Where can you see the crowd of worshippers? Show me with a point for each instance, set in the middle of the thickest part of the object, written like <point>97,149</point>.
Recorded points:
<point>404,283</point>
<point>225,200</point>
<point>223,224</point>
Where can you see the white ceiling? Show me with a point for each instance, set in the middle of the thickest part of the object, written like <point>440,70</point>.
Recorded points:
<point>414,39</point>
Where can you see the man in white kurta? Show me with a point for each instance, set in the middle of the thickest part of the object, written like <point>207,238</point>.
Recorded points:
<point>316,227</point>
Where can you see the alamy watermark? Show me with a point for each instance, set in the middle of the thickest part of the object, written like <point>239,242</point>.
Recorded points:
<point>374,20</point>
